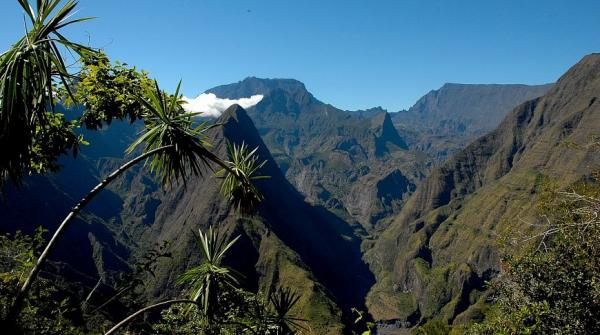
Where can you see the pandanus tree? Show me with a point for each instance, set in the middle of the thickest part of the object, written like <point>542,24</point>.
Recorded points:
<point>32,133</point>
<point>214,289</point>
<point>173,142</point>
<point>283,300</point>
<point>206,279</point>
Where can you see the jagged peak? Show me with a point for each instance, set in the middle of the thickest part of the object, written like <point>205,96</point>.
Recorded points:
<point>386,133</point>
<point>236,112</point>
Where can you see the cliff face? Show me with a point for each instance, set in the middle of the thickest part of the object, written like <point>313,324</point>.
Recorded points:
<point>446,120</point>
<point>434,258</point>
<point>344,161</point>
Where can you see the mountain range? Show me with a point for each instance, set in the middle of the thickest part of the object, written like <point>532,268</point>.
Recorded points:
<point>396,214</point>
<point>434,259</point>
<point>446,120</point>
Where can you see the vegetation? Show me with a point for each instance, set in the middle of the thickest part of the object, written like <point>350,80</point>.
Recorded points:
<point>220,306</point>
<point>33,73</point>
<point>549,282</point>
<point>32,133</point>
<point>54,315</point>
<point>554,287</point>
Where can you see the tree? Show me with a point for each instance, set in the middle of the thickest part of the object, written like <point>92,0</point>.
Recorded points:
<point>221,306</point>
<point>52,312</point>
<point>553,286</point>
<point>32,133</point>
<point>33,74</point>
<point>176,148</point>
<point>206,279</point>
<point>283,300</point>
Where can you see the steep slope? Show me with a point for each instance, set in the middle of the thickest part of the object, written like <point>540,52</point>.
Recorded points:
<point>353,163</point>
<point>98,243</point>
<point>446,120</point>
<point>288,242</point>
<point>434,258</point>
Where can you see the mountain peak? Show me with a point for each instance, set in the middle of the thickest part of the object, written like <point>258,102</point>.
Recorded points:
<point>386,133</point>
<point>251,86</point>
<point>238,127</point>
<point>235,112</point>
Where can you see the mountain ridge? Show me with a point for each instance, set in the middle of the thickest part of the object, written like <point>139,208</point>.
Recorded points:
<point>484,189</point>
<point>449,118</point>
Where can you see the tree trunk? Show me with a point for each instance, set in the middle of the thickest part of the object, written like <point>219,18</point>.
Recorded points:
<point>145,309</point>
<point>22,293</point>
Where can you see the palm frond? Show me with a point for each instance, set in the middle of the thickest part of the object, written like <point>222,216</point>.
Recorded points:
<point>166,123</point>
<point>205,280</point>
<point>239,176</point>
<point>283,301</point>
<point>29,73</point>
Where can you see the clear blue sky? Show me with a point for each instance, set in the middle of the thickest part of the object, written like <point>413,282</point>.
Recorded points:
<point>352,54</point>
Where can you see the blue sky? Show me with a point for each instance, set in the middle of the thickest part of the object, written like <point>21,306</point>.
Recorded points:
<point>352,54</point>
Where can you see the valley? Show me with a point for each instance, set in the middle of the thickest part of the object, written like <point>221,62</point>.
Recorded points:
<point>342,180</point>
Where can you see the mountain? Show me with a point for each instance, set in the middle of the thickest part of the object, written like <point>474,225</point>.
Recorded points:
<point>446,120</point>
<point>98,242</point>
<point>353,163</point>
<point>433,260</point>
<point>288,242</point>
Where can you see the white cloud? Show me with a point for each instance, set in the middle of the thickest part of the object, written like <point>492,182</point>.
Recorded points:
<point>212,106</point>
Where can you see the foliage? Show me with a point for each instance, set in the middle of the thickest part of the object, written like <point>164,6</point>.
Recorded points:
<point>237,185</point>
<point>433,327</point>
<point>360,320</point>
<point>125,291</point>
<point>48,308</point>
<point>107,91</point>
<point>224,308</point>
<point>283,300</point>
<point>31,134</point>
<point>554,287</point>
<point>167,124</point>
<point>209,278</point>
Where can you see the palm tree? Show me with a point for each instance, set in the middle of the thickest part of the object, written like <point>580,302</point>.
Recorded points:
<point>273,317</point>
<point>243,166</point>
<point>176,148</point>
<point>30,72</point>
<point>206,279</point>
<point>282,301</point>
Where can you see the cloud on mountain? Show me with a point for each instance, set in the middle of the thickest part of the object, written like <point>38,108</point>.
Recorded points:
<point>212,106</point>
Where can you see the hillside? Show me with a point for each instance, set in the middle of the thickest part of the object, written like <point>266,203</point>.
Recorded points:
<point>288,242</point>
<point>446,120</point>
<point>354,163</point>
<point>433,259</point>
<point>133,215</point>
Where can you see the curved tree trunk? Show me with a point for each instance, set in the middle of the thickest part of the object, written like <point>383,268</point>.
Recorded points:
<point>22,293</point>
<point>145,309</point>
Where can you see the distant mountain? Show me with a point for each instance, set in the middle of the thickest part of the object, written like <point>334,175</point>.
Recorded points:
<point>448,119</point>
<point>435,257</point>
<point>97,238</point>
<point>353,163</point>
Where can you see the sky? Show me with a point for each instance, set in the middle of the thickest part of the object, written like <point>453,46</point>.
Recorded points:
<point>352,54</point>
